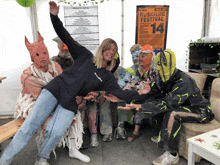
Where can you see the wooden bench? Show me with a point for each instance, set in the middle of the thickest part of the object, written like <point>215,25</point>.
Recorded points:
<point>2,78</point>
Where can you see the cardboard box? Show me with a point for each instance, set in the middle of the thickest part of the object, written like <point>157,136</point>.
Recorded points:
<point>9,129</point>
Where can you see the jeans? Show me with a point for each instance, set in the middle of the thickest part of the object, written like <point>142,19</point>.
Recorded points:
<point>60,121</point>
<point>105,118</point>
<point>108,117</point>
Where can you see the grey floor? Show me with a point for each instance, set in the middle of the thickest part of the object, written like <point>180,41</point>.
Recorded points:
<point>118,152</point>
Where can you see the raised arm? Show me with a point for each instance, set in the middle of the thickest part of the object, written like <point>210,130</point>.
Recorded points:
<point>74,47</point>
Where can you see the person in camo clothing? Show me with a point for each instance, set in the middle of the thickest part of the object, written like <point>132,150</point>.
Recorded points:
<point>181,103</point>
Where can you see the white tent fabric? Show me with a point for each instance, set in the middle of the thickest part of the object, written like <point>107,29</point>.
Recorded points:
<point>9,90</point>
<point>16,24</point>
<point>214,31</point>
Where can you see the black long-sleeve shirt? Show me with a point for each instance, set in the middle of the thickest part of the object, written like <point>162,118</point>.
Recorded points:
<point>82,76</point>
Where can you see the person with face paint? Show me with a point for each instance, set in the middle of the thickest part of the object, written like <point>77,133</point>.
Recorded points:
<point>87,73</point>
<point>181,103</point>
<point>135,50</point>
<point>145,72</point>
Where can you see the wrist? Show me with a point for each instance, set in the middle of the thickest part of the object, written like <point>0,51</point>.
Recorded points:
<point>138,107</point>
<point>139,92</point>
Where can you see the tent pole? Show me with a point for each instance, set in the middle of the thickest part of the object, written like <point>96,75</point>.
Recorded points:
<point>34,22</point>
<point>122,33</point>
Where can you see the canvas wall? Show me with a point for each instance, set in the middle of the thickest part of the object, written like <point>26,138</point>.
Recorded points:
<point>184,24</point>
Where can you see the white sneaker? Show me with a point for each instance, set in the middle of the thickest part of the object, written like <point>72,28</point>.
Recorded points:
<point>166,159</point>
<point>41,163</point>
<point>94,140</point>
<point>154,139</point>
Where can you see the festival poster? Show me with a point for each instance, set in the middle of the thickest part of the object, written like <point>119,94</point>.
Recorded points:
<point>151,26</point>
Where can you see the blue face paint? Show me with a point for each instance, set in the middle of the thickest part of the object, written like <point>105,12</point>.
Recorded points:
<point>135,55</point>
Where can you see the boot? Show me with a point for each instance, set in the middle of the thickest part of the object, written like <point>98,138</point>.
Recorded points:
<point>107,138</point>
<point>120,132</point>
<point>94,140</point>
<point>75,153</point>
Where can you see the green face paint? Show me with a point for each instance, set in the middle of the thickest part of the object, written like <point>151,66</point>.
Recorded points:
<point>166,64</point>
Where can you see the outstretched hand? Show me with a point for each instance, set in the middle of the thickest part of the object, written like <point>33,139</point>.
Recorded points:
<point>145,88</point>
<point>128,107</point>
<point>54,9</point>
<point>95,94</point>
<point>88,97</point>
<point>112,98</point>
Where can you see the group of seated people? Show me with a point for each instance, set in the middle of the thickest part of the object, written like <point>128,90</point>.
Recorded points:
<point>171,97</point>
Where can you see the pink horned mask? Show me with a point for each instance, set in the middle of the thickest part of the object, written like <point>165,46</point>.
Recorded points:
<point>39,53</point>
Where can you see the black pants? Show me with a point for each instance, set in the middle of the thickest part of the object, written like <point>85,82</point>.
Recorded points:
<point>171,143</point>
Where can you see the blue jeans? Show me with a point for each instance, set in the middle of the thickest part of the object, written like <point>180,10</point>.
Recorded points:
<point>60,121</point>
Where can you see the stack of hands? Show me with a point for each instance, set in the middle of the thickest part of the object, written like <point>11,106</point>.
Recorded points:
<point>90,96</point>
<point>144,90</point>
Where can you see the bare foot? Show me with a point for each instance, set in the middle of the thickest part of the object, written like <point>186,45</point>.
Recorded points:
<point>130,139</point>
<point>134,136</point>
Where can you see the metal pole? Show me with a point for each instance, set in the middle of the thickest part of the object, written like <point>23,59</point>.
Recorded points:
<point>122,33</point>
<point>34,23</point>
<point>206,18</point>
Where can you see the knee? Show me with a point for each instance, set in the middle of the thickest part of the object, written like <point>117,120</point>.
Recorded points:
<point>173,114</point>
<point>137,119</point>
<point>56,132</point>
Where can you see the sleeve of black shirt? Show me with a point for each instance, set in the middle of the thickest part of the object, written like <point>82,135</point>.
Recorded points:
<point>74,47</point>
<point>112,87</point>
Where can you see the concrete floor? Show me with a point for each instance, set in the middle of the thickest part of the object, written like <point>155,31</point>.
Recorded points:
<point>118,152</point>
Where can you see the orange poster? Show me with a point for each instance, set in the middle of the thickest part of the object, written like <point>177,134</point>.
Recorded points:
<point>151,26</point>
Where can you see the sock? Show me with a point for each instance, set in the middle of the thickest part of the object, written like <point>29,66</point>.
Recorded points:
<point>75,153</point>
